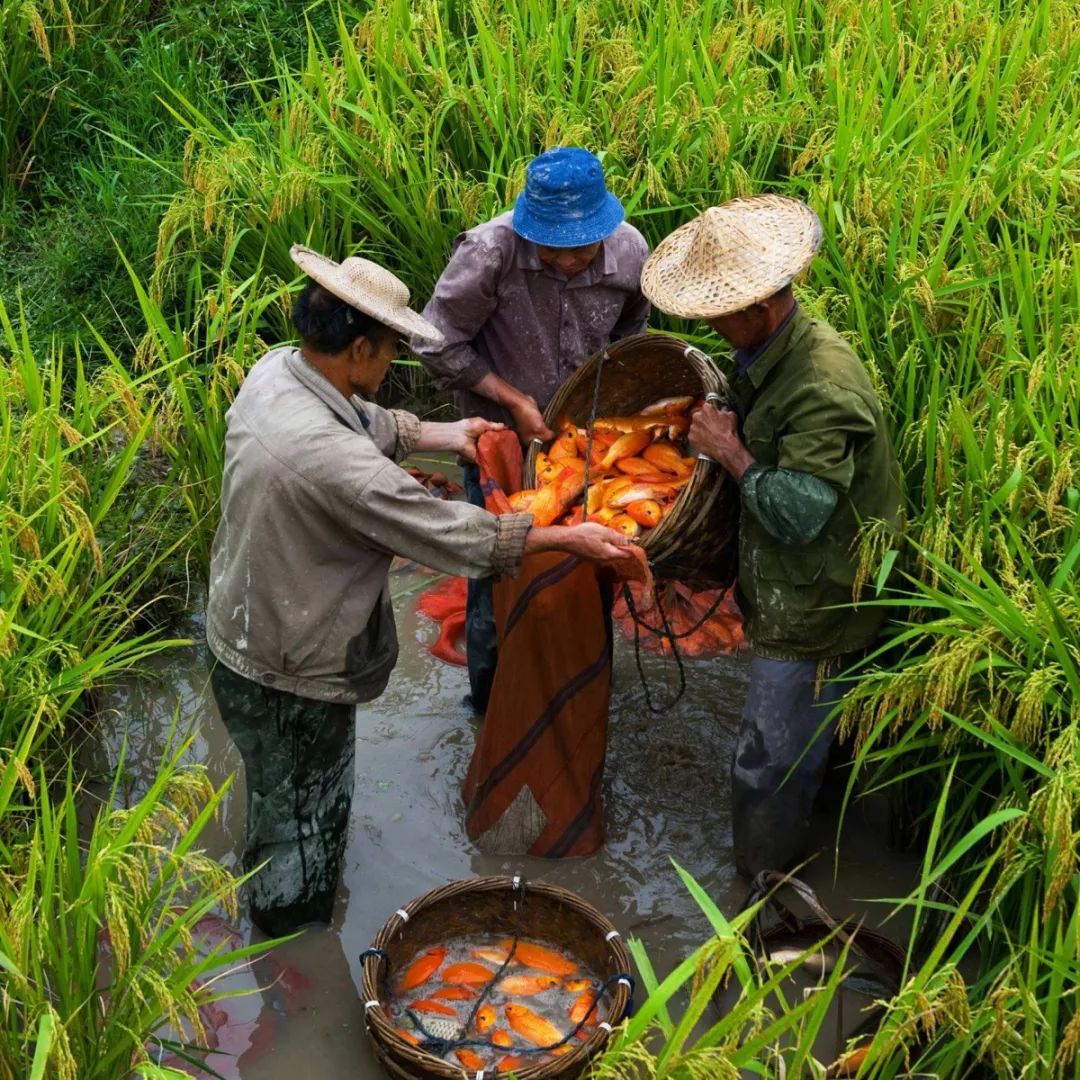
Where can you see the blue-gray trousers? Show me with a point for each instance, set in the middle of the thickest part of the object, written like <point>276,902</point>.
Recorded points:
<point>780,761</point>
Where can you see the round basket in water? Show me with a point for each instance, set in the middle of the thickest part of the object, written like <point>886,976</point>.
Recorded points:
<point>697,541</point>
<point>492,907</point>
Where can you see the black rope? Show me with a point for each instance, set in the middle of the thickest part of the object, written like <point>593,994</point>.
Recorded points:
<point>668,632</point>
<point>589,430</point>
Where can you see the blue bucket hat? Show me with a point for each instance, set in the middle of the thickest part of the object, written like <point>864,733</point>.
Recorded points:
<point>565,202</point>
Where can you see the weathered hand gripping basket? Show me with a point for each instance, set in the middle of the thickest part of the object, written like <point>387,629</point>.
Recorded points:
<point>492,906</point>
<point>696,541</point>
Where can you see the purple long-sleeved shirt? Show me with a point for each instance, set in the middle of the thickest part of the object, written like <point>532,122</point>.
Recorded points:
<point>503,311</point>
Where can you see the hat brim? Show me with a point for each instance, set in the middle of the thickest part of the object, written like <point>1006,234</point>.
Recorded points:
<point>574,232</point>
<point>668,285</point>
<point>329,274</point>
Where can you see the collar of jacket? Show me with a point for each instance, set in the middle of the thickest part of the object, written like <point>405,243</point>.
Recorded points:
<point>527,257</point>
<point>779,347</point>
<point>325,391</point>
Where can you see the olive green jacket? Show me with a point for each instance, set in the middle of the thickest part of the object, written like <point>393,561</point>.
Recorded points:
<point>807,405</point>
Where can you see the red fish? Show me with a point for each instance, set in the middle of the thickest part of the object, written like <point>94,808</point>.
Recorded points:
<point>493,954</point>
<point>485,1018</point>
<point>422,968</point>
<point>469,1058</point>
<point>426,1005</point>
<point>543,959</point>
<point>646,512</point>
<point>527,985</point>
<point>501,1038</point>
<point>454,993</point>
<point>529,1025</point>
<point>626,446</point>
<point>583,1006</point>
<point>467,975</point>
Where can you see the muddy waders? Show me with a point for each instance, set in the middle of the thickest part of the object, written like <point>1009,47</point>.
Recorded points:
<point>298,762</point>
<point>779,736</point>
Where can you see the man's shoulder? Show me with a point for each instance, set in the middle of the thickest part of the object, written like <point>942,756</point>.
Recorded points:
<point>497,234</point>
<point>627,238</point>
<point>830,357</point>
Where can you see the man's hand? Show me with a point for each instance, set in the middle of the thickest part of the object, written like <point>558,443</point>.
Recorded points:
<point>715,433</point>
<point>523,410</point>
<point>528,422</point>
<point>591,541</point>
<point>471,430</point>
<point>459,436</point>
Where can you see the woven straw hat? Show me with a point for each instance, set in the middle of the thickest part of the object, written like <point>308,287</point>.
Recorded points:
<point>369,288</point>
<point>731,256</point>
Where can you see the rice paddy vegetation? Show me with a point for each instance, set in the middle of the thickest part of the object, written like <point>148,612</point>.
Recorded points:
<point>157,160</point>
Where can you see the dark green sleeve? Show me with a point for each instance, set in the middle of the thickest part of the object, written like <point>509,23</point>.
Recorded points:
<point>792,506</point>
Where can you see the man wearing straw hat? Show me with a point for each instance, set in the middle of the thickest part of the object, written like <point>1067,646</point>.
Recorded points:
<point>313,507</point>
<point>525,299</point>
<point>807,443</point>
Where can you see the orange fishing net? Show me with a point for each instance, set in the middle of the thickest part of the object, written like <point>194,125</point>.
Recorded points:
<point>445,603</point>
<point>534,782</point>
<point>705,622</point>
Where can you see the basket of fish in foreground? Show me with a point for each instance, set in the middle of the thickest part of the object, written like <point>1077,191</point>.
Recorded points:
<point>642,478</point>
<point>494,976</point>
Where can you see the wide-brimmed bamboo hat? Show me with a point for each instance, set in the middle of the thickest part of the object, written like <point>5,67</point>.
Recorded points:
<point>731,256</point>
<point>369,288</point>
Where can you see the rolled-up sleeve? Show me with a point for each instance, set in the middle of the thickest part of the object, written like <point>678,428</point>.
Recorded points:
<point>464,298</point>
<point>397,515</point>
<point>394,431</point>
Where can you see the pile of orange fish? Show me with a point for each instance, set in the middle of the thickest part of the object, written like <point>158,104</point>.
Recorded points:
<point>471,992</point>
<point>637,468</point>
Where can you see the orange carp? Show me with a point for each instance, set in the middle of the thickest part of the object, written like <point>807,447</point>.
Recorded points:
<point>501,1038</point>
<point>454,993</point>
<point>468,974</point>
<point>493,954</point>
<point>625,524</point>
<point>647,512</point>
<point>666,405</point>
<point>422,968</point>
<point>426,1005</point>
<point>626,446</point>
<point>527,985</point>
<point>665,456</point>
<point>543,959</point>
<point>469,1058</point>
<point>582,1006</point>
<point>485,1018</point>
<point>529,1025</point>
<point>636,492</point>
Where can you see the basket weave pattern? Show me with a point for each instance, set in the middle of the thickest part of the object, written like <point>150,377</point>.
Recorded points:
<point>731,256</point>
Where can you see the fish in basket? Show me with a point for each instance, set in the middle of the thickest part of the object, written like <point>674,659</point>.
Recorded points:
<point>495,976</point>
<point>620,424</point>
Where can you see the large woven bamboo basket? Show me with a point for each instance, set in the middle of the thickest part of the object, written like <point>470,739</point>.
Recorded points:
<point>697,541</point>
<point>492,906</point>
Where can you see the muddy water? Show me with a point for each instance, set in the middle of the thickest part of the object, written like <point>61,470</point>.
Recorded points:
<point>667,799</point>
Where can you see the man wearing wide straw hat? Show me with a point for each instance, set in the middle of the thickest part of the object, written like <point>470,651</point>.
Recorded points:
<point>313,507</point>
<point>524,300</point>
<point>807,443</point>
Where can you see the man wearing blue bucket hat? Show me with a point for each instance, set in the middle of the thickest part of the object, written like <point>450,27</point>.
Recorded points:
<point>525,299</point>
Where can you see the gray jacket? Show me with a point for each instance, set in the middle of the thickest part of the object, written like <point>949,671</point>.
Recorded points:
<point>313,507</point>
